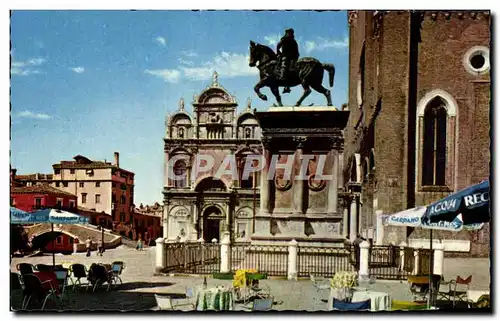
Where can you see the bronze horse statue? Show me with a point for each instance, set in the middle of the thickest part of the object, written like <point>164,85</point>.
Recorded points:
<point>308,72</point>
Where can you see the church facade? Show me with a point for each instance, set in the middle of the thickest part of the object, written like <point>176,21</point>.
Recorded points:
<point>199,203</point>
<point>419,125</point>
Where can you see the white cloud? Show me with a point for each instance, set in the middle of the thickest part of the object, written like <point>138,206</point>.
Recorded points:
<point>321,44</point>
<point>78,70</point>
<point>169,75</point>
<point>161,41</point>
<point>272,40</point>
<point>32,115</point>
<point>226,64</point>
<point>189,53</point>
<point>25,68</point>
<point>186,62</point>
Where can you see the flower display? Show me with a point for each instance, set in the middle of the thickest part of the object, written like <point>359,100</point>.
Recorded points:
<point>344,279</point>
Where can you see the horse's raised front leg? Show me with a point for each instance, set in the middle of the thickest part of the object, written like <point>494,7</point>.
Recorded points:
<point>276,92</point>
<point>257,88</point>
<point>307,91</point>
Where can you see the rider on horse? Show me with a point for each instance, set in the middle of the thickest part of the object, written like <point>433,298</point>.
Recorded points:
<point>289,54</point>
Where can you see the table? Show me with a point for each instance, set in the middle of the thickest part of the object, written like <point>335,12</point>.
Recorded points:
<point>380,301</point>
<point>218,299</point>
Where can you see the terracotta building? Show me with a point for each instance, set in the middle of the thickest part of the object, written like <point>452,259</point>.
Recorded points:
<point>101,187</point>
<point>35,197</point>
<point>202,206</point>
<point>148,222</point>
<point>419,126</point>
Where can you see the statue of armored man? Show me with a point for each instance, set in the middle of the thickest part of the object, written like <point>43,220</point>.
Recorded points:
<point>285,69</point>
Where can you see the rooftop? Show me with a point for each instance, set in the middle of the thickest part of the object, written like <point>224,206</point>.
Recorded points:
<point>40,189</point>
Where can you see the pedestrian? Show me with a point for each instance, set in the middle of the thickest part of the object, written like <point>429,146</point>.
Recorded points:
<point>100,247</point>
<point>88,245</point>
<point>139,244</point>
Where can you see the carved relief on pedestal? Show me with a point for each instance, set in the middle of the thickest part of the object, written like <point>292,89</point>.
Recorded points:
<point>281,183</point>
<point>316,185</point>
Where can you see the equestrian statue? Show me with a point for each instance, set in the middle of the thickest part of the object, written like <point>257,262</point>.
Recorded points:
<point>285,69</point>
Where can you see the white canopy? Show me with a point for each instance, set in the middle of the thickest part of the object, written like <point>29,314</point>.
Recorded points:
<point>413,217</point>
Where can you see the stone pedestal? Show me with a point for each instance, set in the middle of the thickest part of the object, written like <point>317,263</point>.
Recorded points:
<point>303,206</point>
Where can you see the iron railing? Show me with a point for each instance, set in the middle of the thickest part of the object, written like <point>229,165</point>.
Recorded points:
<point>386,262</point>
<point>192,258</point>
<point>322,261</point>
<point>270,259</point>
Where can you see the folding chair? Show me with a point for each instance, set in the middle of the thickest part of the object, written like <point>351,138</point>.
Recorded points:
<point>351,306</point>
<point>33,287</point>
<point>263,304</point>
<point>116,269</point>
<point>98,275</point>
<point>25,268</point>
<point>78,272</point>
<point>454,294</point>
<point>62,277</point>
<point>164,302</point>
<point>16,285</point>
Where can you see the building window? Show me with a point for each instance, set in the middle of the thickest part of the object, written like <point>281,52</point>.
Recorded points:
<point>98,198</point>
<point>97,184</point>
<point>29,184</point>
<point>72,171</point>
<point>38,202</point>
<point>113,198</point>
<point>180,174</point>
<point>59,240</point>
<point>57,171</point>
<point>58,184</point>
<point>65,184</point>
<point>84,198</point>
<point>72,204</point>
<point>477,60</point>
<point>122,199</point>
<point>59,203</point>
<point>81,184</point>
<point>434,145</point>
<point>122,217</point>
<point>181,132</point>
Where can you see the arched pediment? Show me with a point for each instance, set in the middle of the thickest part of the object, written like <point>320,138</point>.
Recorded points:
<point>247,118</point>
<point>215,95</point>
<point>180,118</point>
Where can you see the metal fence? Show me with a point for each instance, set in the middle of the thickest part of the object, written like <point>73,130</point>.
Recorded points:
<point>270,259</point>
<point>192,258</point>
<point>385,263</point>
<point>323,261</point>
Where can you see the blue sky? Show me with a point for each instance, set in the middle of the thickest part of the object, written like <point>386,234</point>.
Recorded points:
<point>95,82</point>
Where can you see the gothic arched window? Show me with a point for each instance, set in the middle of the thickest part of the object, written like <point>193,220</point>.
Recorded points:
<point>434,144</point>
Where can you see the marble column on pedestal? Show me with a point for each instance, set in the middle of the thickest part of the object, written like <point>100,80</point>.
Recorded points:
<point>298,189</point>
<point>345,220</point>
<point>265,188</point>
<point>353,219</point>
<point>332,200</point>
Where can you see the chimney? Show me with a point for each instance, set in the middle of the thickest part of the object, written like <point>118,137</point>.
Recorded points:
<point>117,159</point>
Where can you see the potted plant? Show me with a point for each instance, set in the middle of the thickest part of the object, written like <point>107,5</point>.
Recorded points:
<point>344,283</point>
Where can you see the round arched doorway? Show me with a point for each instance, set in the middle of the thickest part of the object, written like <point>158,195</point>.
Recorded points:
<point>213,223</point>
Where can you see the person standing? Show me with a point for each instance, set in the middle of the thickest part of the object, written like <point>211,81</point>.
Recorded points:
<point>139,243</point>
<point>88,245</point>
<point>100,247</point>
